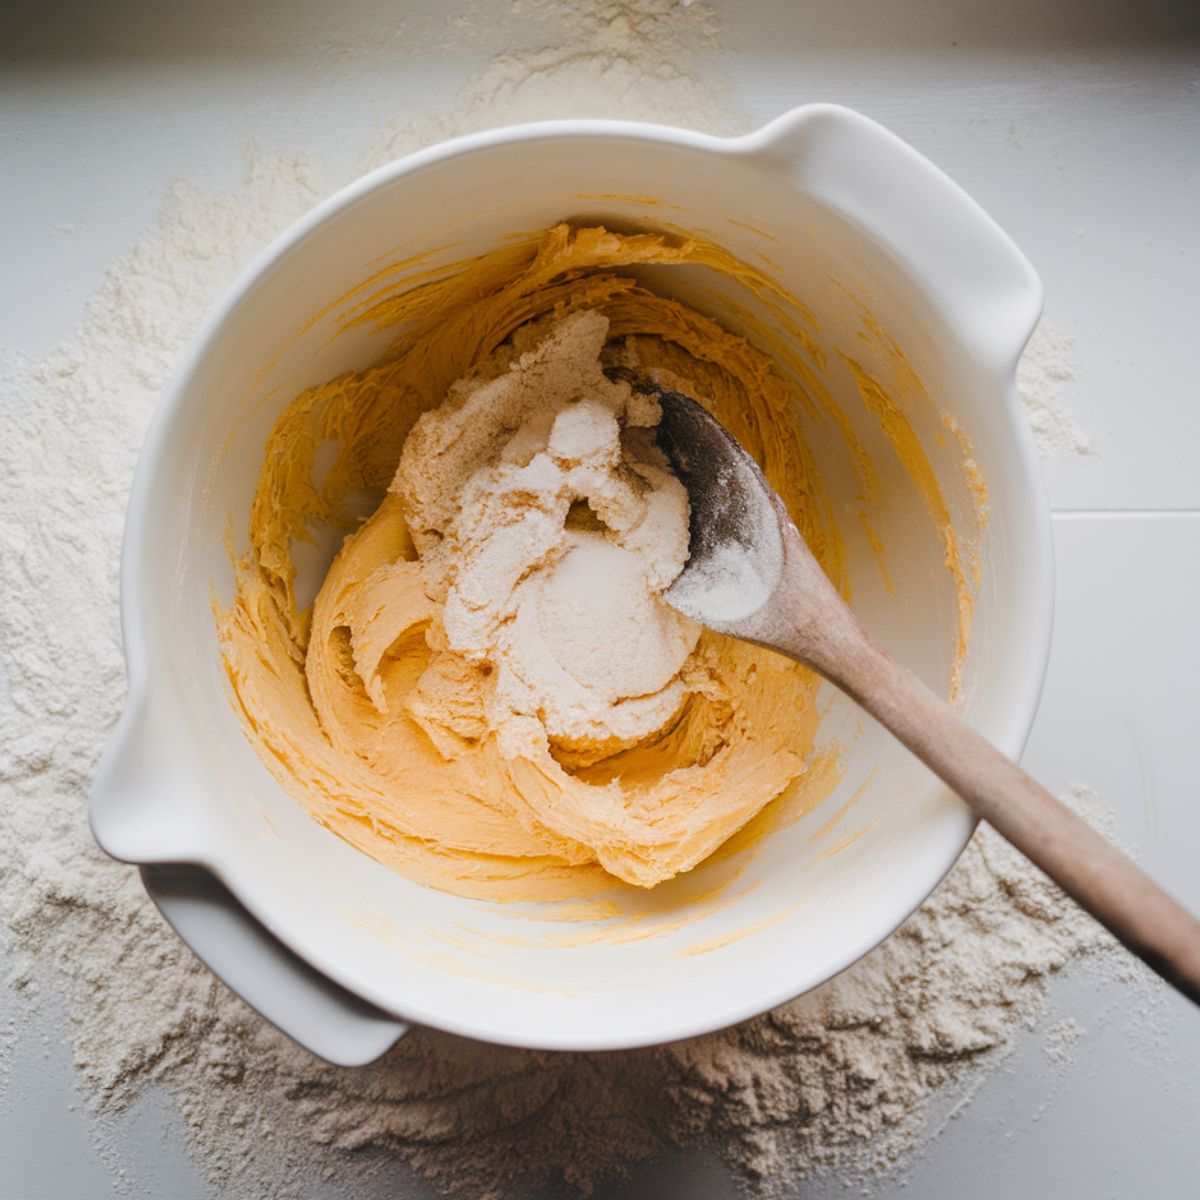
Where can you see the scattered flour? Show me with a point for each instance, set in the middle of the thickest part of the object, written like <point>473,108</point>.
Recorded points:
<point>1045,367</point>
<point>1061,1039</point>
<point>841,1078</point>
<point>638,60</point>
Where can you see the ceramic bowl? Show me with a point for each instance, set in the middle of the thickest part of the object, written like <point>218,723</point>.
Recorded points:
<point>838,208</point>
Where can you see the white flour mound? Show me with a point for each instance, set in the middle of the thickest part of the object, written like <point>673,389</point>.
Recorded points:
<point>842,1077</point>
<point>1046,368</point>
<point>637,60</point>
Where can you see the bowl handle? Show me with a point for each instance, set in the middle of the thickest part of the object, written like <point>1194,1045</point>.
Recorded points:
<point>141,812</point>
<point>139,806</point>
<point>318,1014</point>
<point>971,268</point>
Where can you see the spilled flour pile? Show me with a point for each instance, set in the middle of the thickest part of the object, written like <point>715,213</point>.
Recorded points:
<point>1045,370</point>
<point>839,1078</point>
<point>637,60</point>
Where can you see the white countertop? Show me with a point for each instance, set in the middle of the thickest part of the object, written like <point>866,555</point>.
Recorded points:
<point>1077,126</point>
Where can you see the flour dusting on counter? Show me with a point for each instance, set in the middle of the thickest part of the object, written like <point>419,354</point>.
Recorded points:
<point>637,60</point>
<point>1046,368</point>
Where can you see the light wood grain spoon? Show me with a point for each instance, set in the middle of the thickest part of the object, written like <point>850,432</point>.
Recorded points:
<point>751,574</point>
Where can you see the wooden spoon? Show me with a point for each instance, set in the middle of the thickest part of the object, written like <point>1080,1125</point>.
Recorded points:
<point>751,575</point>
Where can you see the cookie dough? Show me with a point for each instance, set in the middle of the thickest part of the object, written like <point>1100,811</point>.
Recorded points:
<point>489,693</point>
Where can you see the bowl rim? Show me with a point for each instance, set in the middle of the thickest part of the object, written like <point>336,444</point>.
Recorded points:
<point>956,823</point>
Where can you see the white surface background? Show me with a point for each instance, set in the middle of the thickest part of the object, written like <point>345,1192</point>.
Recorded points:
<point>1076,125</point>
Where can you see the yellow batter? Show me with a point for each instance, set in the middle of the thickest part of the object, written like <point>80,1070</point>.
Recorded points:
<point>389,723</point>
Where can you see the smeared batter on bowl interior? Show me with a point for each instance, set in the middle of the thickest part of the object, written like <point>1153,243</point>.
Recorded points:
<point>462,701</point>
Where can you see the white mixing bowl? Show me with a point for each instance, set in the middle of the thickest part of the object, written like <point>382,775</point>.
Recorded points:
<point>836,202</point>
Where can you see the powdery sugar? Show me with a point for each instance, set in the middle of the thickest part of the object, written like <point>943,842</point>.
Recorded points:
<point>841,1078</point>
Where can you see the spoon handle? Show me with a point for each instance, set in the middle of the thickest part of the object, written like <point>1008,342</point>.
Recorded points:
<point>1156,928</point>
